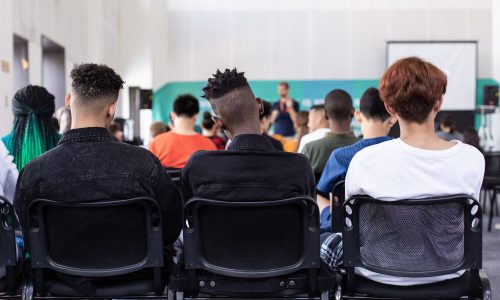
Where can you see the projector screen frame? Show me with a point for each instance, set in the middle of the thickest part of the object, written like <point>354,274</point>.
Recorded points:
<point>475,42</point>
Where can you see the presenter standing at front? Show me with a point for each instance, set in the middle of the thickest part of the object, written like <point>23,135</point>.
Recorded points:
<point>284,112</point>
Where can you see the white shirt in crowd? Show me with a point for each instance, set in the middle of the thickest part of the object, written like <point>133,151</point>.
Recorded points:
<point>8,174</point>
<point>313,136</point>
<point>405,172</point>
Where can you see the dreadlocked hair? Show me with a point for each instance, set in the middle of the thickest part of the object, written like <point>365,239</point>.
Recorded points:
<point>223,82</point>
<point>33,133</point>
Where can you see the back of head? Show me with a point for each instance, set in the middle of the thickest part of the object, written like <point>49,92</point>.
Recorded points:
<point>448,122</point>
<point>338,106</point>
<point>33,132</point>
<point>94,88</point>
<point>157,128</point>
<point>472,138</point>
<point>412,87</point>
<point>371,105</point>
<point>302,118</point>
<point>186,106</point>
<point>207,122</point>
<point>232,99</point>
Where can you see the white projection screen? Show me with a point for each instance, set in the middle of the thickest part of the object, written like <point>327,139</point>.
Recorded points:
<point>457,59</point>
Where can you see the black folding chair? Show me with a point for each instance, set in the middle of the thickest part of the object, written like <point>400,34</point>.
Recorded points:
<point>9,284</point>
<point>250,249</point>
<point>414,238</point>
<point>96,250</point>
<point>338,194</point>
<point>491,183</point>
<point>175,175</point>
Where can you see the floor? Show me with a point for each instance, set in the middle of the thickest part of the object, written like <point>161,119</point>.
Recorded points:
<point>491,255</point>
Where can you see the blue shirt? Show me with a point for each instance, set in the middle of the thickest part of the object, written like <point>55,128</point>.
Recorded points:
<point>284,124</point>
<point>338,162</point>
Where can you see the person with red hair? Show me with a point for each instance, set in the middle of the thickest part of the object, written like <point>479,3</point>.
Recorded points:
<point>417,165</point>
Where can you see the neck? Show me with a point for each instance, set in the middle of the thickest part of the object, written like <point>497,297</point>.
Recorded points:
<point>78,122</point>
<point>184,126</point>
<point>246,129</point>
<point>339,127</point>
<point>421,135</point>
<point>373,130</point>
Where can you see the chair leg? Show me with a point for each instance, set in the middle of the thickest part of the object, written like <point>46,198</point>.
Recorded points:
<point>170,295</point>
<point>492,201</point>
<point>325,295</point>
<point>485,287</point>
<point>27,290</point>
<point>179,296</point>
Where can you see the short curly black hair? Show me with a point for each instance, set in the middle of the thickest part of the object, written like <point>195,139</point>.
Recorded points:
<point>91,81</point>
<point>223,82</point>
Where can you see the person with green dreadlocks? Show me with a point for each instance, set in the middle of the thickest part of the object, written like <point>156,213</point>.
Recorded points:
<point>32,133</point>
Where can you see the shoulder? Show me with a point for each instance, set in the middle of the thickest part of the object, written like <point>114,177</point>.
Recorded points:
<point>378,150</point>
<point>472,153</point>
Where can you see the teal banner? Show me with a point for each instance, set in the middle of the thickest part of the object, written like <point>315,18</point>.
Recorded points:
<point>307,92</point>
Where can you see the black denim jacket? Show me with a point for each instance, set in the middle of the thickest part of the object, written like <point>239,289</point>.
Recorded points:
<point>88,165</point>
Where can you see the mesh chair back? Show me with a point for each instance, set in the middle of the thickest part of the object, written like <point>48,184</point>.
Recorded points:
<point>7,234</point>
<point>256,239</point>
<point>412,238</point>
<point>96,239</point>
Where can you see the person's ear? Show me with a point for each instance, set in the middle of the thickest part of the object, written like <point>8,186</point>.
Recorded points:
<point>439,103</point>
<point>67,101</point>
<point>194,117</point>
<point>390,110</point>
<point>358,116</point>
<point>391,121</point>
<point>260,105</point>
<point>173,116</point>
<point>326,115</point>
<point>112,110</point>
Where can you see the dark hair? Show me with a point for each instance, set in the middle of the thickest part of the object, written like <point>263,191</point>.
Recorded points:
<point>157,128</point>
<point>223,82</point>
<point>266,111</point>
<point>317,107</point>
<point>447,120</point>
<point>338,105</point>
<point>371,105</point>
<point>285,84</point>
<point>411,87</point>
<point>93,81</point>
<point>186,105</point>
<point>207,122</point>
<point>114,128</point>
<point>33,132</point>
<point>472,138</point>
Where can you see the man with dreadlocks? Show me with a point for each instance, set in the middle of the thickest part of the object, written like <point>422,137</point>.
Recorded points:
<point>89,165</point>
<point>32,133</point>
<point>251,162</point>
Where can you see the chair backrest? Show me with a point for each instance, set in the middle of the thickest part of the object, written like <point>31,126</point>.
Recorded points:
<point>98,239</point>
<point>338,194</point>
<point>252,239</point>
<point>412,238</point>
<point>7,234</point>
<point>492,164</point>
<point>175,175</point>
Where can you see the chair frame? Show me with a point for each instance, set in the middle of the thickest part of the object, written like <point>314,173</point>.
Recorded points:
<point>194,259</point>
<point>8,257</point>
<point>41,259</point>
<point>337,207</point>
<point>472,238</point>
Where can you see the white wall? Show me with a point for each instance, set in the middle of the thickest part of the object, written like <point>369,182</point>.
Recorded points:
<point>496,66</point>
<point>6,54</point>
<point>321,39</point>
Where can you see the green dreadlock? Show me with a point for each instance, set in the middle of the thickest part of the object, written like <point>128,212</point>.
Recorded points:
<point>32,133</point>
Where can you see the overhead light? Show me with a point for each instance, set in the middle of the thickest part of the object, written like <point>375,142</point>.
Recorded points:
<point>25,64</point>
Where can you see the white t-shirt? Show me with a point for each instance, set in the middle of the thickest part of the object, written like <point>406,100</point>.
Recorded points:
<point>8,174</point>
<point>313,136</point>
<point>394,170</point>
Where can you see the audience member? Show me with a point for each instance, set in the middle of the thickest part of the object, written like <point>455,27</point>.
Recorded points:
<point>8,174</point>
<point>292,144</point>
<point>375,124</point>
<point>447,130</point>
<point>251,162</point>
<point>317,125</point>
<point>176,146</point>
<point>33,132</point>
<point>115,129</point>
<point>265,123</point>
<point>417,165</point>
<point>471,137</point>
<point>155,129</point>
<point>211,131</point>
<point>339,112</point>
<point>284,112</point>
<point>88,165</point>
<point>63,116</point>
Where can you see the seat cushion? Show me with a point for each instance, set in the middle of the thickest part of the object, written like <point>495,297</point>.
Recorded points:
<point>453,288</point>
